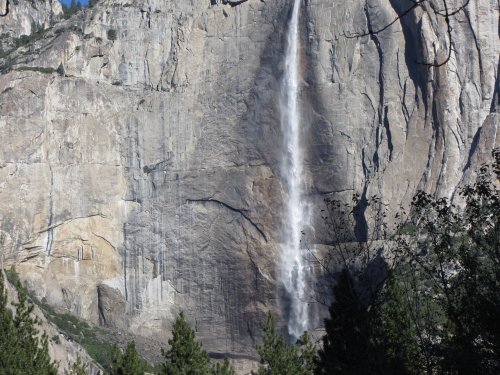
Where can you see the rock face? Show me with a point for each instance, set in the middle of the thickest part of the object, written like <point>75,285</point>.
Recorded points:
<point>23,17</point>
<point>145,180</point>
<point>112,307</point>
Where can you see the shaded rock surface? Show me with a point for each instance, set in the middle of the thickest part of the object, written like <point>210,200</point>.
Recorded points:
<point>149,172</point>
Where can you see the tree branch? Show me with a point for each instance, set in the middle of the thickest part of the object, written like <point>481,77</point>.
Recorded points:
<point>445,13</point>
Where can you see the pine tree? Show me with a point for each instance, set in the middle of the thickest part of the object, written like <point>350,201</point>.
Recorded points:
<point>279,358</point>
<point>347,345</point>
<point>185,356</point>
<point>23,350</point>
<point>223,369</point>
<point>7,334</point>
<point>308,357</point>
<point>129,363</point>
<point>72,7</point>
<point>78,367</point>
<point>395,332</point>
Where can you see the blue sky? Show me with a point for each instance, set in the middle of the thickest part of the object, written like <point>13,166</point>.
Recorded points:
<point>67,2</point>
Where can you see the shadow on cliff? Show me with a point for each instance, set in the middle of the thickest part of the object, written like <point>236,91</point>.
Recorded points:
<point>414,55</point>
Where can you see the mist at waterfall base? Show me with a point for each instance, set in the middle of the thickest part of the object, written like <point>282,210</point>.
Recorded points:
<point>294,268</point>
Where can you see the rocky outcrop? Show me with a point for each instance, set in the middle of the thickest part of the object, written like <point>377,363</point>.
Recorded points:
<point>112,307</point>
<point>148,172</point>
<point>26,17</point>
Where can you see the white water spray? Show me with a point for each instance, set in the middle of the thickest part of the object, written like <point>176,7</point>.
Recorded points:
<point>294,272</point>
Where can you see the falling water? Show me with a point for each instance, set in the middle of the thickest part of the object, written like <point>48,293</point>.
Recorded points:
<point>297,216</point>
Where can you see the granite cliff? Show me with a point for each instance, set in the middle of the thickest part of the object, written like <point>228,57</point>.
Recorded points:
<point>139,166</point>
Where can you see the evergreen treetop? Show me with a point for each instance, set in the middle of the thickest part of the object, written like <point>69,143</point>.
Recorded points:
<point>186,355</point>
<point>128,363</point>
<point>278,358</point>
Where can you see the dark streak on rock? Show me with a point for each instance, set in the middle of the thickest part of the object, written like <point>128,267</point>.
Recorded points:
<point>376,41</point>
<point>50,231</point>
<point>234,3</point>
<point>231,208</point>
<point>388,132</point>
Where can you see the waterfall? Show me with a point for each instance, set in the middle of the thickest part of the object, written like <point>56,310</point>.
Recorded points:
<point>296,219</point>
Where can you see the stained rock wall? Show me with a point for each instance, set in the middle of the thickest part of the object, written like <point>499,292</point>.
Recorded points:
<point>145,178</point>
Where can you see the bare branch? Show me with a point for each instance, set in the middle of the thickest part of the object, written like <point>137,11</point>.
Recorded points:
<point>450,14</point>
<point>416,4</point>
<point>445,13</point>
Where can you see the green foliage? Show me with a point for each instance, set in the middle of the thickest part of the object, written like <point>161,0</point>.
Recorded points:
<point>279,358</point>
<point>23,350</point>
<point>438,309</point>
<point>98,349</point>
<point>456,256</point>
<point>186,355</point>
<point>223,369</point>
<point>55,339</point>
<point>37,32</point>
<point>395,333</point>
<point>111,34</point>
<point>3,53</point>
<point>348,346</point>
<point>128,363</point>
<point>93,339</point>
<point>78,367</point>
<point>39,69</point>
<point>408,229</point>
<point>73,8</point>
<point>60,69</point>
<point>13,277</point>
<point>24,40</point>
